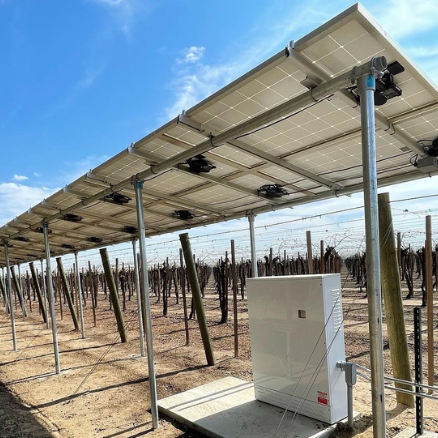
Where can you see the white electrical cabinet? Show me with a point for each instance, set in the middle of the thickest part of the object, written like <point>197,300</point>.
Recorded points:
<point>297,337</point>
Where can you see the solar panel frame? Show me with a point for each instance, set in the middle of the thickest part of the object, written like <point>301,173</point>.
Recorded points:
<point>314,154</point>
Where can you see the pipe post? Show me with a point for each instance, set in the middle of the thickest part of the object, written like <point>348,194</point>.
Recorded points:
<point>145,298</point>
<point>366,85</point>
<point>81,310</point>
<point>139,307</point>
<point>253,246</point>
<point>51,297</point>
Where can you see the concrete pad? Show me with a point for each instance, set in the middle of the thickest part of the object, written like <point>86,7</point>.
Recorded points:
<point>410,433</point>
<point>227,408</point>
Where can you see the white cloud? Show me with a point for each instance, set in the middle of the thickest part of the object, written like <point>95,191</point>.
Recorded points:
<point>37,174</point>
<point>192,86</point>
<point>17,198</point>
<point>402,18</point>
<point>20,177</point>
<point>192,54</point>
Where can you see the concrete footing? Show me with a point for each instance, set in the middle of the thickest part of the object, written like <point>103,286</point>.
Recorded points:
<point>410,433</point>
<point>227,408</point>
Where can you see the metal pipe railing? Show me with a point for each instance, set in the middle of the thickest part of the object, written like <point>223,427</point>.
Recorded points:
<point>406,391</point>
<point>393,379</point>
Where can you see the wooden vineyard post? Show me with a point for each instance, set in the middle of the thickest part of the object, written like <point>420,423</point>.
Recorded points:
<point>19,292</point>
<point>183,292</point>
<point>391,289</point>
<point>75,288</point>
<point>309,252</point>
<point>58,287</point>
<point>429,303</point>
<point>28,290</point>
<point>321,260</point>
<point>116,276</point>
<point>37,289</point>
<point>284,262</point>
<point>93,295</point>
<point>165,285</point>
<point>4,294</point>
<point>399,249</point>
<point>67,292</point>
<point>233,273</point>
<point>113,294</point>
<point>196,293</point>
<point>271,265</point>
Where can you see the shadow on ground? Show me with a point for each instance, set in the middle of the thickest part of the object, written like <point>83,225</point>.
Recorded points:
<point>18,421</point>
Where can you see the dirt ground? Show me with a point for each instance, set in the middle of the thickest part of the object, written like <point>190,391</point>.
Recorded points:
<point>103,389</point>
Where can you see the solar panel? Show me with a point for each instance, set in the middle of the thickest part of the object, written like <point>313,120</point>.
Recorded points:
<point>314,151</point>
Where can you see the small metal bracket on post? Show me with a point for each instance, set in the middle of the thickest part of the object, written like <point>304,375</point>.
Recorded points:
<point>350,370</point>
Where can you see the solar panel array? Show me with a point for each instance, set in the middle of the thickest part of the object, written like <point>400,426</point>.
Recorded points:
<point>312,153</point>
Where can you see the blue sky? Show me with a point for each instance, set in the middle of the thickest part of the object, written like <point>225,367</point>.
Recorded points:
<point>81,79</point>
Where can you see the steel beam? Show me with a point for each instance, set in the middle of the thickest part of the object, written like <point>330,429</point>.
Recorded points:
<point>286,165</point>
<point>172,199</point>
<point>271,159</point>
<point>210,178</point>
<point>240,168</point>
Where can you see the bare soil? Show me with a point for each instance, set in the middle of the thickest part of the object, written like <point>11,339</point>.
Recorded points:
<point>103,388</point>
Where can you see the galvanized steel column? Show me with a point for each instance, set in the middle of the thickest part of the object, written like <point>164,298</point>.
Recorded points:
<point>51,297</point>
<point>366,85</point>
<point>11,300</point>
<point>138,289</point>
<point>145,297</point>
<point>253,246</point>
<point>81,310</point>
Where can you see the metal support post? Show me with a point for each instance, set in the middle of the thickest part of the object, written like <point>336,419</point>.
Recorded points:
<point>366,85</point>
<point>255,273</point>
<point>418,353</point>
<point>138,289</point>
<point>9,294</point>
<point>81,310</point>
<point>145,297</point>
<point>350,370</point>
<point>51,297</point>
<point>43,280</point>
